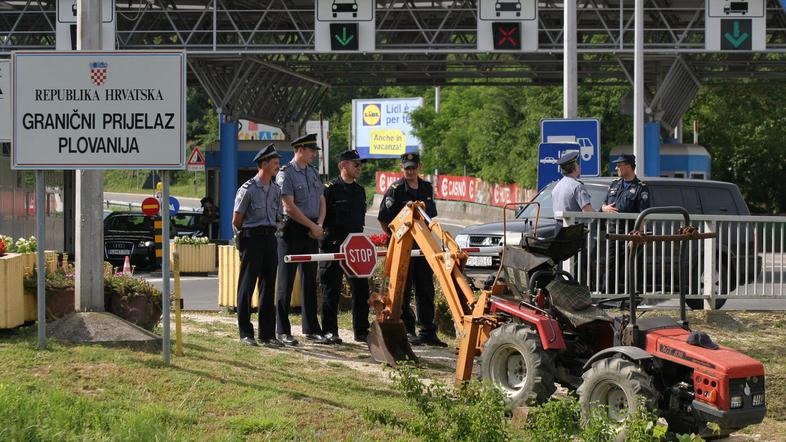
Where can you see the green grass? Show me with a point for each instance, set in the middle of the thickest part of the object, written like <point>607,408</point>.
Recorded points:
<point>219,390</point>
<point>181,183</point>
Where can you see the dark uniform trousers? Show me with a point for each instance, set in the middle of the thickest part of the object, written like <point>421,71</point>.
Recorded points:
<point>421,276</point>
<point>294,240</point>
<point>330,277</point>
<point>258,263</point>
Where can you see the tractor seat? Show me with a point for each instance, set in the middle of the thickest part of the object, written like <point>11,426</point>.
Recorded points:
<point>573,301</point>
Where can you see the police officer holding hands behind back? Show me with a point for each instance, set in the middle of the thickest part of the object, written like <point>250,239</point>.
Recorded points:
<point>304,209</point>
<point>256,212</point>
<point>412,188</point>
<point>570,195</point>
<point>626,194</point>
<point>346,213</point>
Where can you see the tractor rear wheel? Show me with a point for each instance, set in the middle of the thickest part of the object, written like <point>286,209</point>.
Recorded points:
<point>617,384</point>
<point>514,361</point>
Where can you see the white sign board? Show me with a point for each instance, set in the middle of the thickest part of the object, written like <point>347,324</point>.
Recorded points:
<point>5,100</point>
<point>735,25</point>
<point>382,127</point>
<point>250,130</point>
<point>66,11</point>
<point>99,110</point>
<point>323,141</point>
<point>508,25</point>
<point>66,25</point>
<point>359,15</point>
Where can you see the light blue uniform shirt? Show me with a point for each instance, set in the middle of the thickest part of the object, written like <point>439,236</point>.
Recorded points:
<point>303,185</point>
<point>569,195</point>
<point>260,204</point>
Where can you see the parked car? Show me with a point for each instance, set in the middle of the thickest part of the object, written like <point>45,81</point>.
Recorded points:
<point>697,196</point>
<point>131,234</point>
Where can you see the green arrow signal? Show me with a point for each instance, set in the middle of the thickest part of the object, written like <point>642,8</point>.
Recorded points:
<point>344,39</point>
<point>736,39</point>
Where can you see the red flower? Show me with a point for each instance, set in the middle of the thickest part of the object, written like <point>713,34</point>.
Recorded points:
<point>380,239</point>
<point>2,247</point>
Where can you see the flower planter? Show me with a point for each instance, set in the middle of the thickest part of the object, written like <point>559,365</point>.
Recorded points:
<point>228,272</point>
<point>11,291</point>
<point>29,262</point>
<point>139,309</point>
<point>195,258</point>
<point>59,302</point>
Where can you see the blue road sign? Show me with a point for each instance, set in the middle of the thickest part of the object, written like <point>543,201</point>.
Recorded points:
<point>174,206</point>
<point>584,131</point>
<point>548,154</point>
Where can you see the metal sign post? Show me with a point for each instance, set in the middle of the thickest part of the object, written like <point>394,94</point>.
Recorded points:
<point>40,231</point>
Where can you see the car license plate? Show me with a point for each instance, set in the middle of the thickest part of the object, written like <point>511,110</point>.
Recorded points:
<point>479,261</point>
<point>119,252</point>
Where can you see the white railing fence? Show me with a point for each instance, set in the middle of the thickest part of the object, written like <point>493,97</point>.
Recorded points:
<point>745,260</point>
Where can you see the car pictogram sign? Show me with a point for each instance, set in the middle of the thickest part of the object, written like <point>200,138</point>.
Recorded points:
<point>360,256</point>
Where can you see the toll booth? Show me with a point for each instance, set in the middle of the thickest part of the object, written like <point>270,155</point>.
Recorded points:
<point>676,160</point>
<point>246,149</point>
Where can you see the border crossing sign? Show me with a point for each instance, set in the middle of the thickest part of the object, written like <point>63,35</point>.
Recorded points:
<point>583,131</point>
<point>548,155</point>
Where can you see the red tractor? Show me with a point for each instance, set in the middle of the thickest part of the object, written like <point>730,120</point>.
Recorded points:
<point>541,327</point>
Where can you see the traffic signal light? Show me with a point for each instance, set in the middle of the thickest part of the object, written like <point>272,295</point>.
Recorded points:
<point>344,36</point>
<point>506,35</point>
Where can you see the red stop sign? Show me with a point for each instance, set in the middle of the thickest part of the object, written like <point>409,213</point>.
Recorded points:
<point>360,255</point>
<point>150,206</point>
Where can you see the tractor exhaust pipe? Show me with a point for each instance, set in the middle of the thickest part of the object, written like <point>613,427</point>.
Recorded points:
<point>388,344</point>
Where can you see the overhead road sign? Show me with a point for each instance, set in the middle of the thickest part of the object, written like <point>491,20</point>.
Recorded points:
<point>548,155</point>
<point>66,25</point>
<point>739,25</point>
<point>5,100</point>
<point>345,25</point>
<point>583,131</point>
<point>196,161</point>
<point>102,110</point>
<point>382,127</point>
<point>507,25</point>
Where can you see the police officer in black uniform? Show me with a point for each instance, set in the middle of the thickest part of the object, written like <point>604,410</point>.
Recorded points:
<point>626,194</point>
<point>346,213</point>
<point>257,210</point>
<point>412,188</point>
<point>304,208</point>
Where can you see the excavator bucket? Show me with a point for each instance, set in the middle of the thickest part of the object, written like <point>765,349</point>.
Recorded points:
<point>388,343</point>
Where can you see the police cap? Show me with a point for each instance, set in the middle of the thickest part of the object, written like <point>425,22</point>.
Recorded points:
<point>568,158</point>
<point>265,154</point>
<point>410,159</point>
<point>308,140</point>
<point>626,158</point>
<point>350,155</point>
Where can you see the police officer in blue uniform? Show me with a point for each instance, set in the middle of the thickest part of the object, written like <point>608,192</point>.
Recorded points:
<point>304,210</point>
<point>257,210</point>
<point>570,195</point>
<point>346,213</point>
<point>626,194</point>
<point>412,188</point>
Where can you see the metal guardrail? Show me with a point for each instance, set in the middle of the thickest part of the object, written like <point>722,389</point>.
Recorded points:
<point>746,260</point>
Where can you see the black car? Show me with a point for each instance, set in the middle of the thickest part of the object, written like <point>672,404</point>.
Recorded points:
<point>131,234</point>
<point>697,196</point>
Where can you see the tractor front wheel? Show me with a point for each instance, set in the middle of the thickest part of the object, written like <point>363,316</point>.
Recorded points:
<point>515,362</point>
<point>618,385</point>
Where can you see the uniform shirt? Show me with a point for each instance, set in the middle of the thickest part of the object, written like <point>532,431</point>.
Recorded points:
<point>303,185</point>
<point>346,208</point>
<point>399,194</point>
<point>260,204</point>
<point>569,195</point>
<point>629,196</point>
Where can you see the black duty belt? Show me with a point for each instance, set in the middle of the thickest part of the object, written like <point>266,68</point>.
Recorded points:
<point>261,230</point>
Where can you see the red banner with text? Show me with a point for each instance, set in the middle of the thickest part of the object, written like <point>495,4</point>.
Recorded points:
<point>462,188</point>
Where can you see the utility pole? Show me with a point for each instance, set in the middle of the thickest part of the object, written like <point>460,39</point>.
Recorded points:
<point>638,87</point>
<point>89,278</point>
<point>569,61</point>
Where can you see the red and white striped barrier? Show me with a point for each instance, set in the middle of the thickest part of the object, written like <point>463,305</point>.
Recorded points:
<point>318,257</point>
